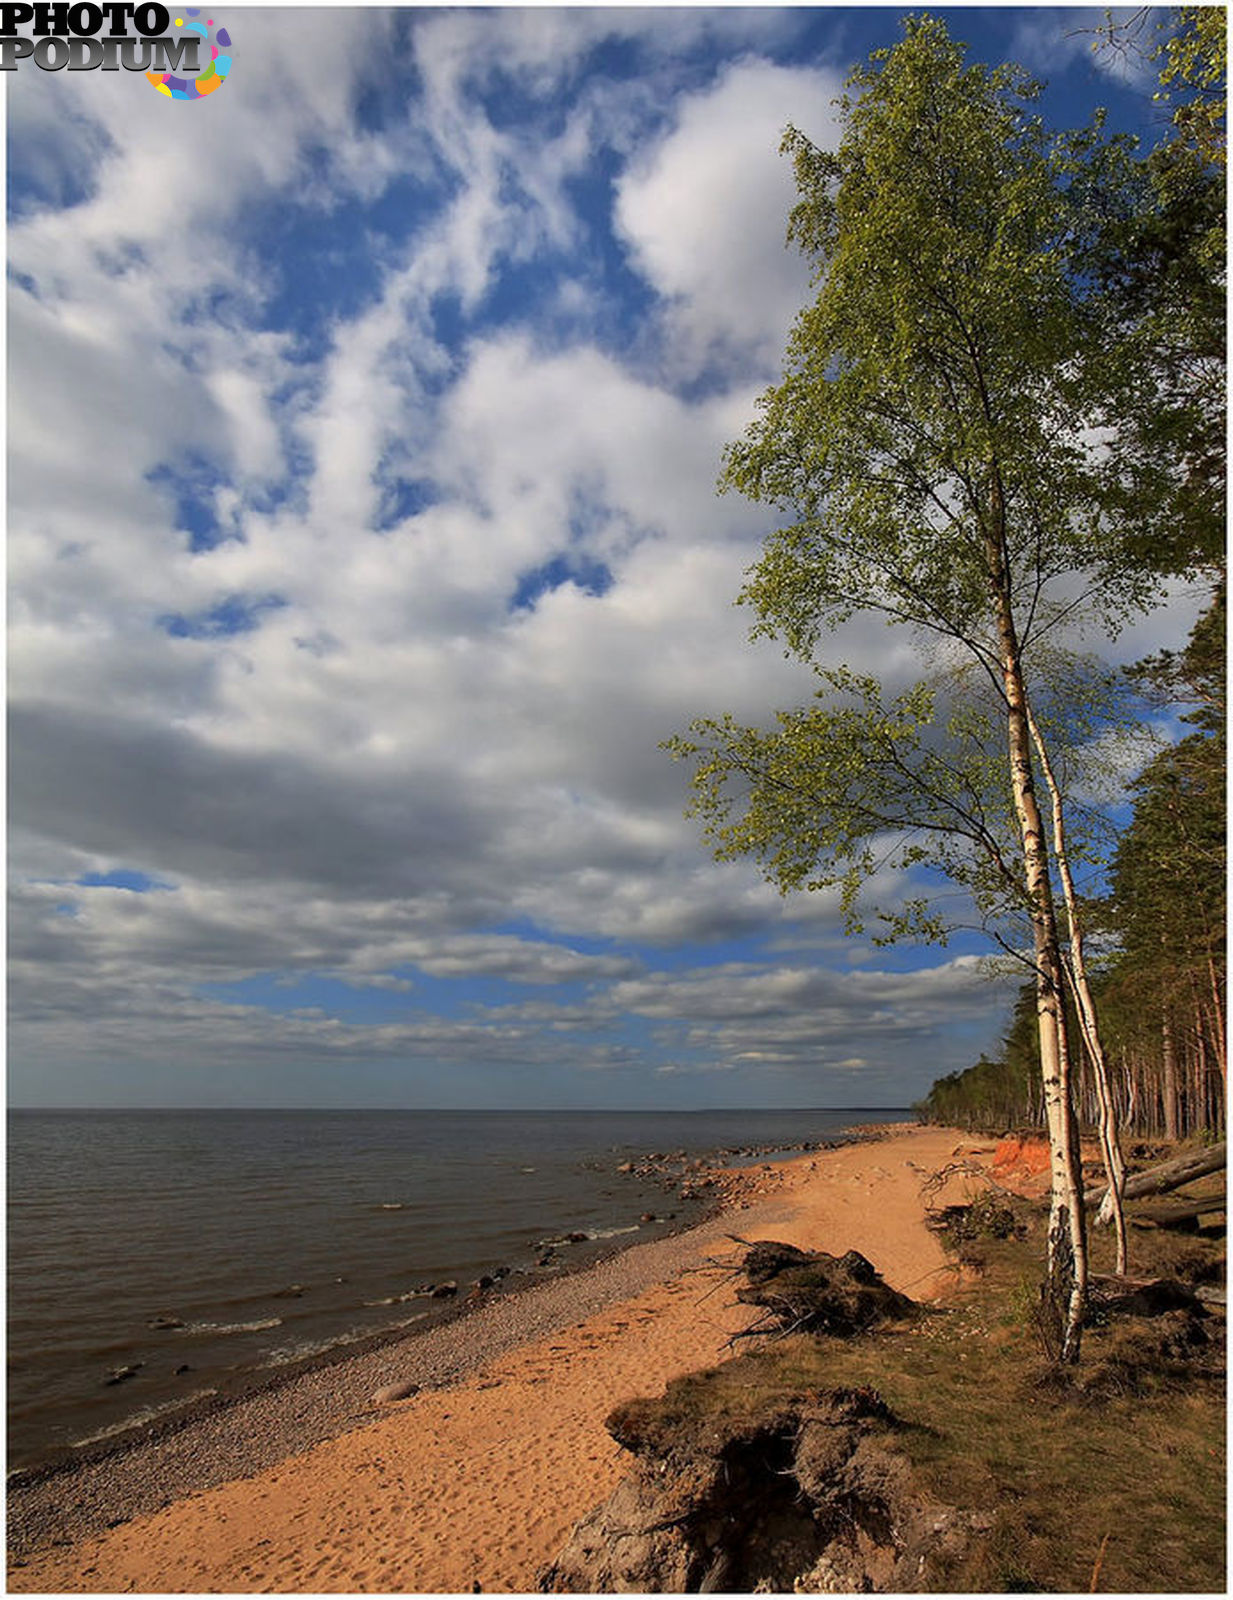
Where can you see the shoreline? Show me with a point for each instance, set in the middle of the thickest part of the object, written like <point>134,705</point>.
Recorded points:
<point>673,1192</point>
<point>680,1184</point>
<point>313,1421</point>
<point>459,1341</point>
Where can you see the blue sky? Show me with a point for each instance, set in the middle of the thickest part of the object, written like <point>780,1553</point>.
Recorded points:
<point>364,423</point>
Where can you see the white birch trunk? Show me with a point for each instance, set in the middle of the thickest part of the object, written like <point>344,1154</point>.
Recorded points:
<point>1066,1280</point>
<point>1085,1005</point>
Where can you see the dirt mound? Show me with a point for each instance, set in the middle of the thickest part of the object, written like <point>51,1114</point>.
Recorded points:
<point>809,1496</point>
<point>740,1485</point>
<point>808,1291</point>
<point>1025,1155</point>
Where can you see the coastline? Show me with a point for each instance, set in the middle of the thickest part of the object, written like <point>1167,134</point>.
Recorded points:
<point>475,1478</point>
<point>279,1271</point>
<point>699,1188</point>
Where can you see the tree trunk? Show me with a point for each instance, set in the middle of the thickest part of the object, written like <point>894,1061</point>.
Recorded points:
<point>1168,1088</point>
<point>1170,1175</point>
<point>1218,1015</point>
<point>1132,1092</point>
<point>1065,1289</point>
<point>1085,1004</point>
<point>1206,1075</point>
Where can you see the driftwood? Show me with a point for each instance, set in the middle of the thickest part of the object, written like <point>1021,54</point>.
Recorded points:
<point>1162,1179</point>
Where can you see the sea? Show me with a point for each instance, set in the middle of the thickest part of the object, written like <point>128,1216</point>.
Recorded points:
<point>157,1259</point>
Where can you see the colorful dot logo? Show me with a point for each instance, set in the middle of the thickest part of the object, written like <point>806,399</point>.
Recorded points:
<point>216,42</point>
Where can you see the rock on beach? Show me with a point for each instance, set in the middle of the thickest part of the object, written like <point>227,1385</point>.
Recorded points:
<point>395,1391</point>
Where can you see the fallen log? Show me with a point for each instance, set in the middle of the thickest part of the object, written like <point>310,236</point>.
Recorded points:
<point>1181,1214</point>
<point>1160,1180</point>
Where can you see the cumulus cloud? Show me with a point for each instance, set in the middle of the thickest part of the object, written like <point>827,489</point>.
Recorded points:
<point>364,546</point>
<point>705,210</point>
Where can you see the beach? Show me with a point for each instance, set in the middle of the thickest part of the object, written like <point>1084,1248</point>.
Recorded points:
<point>474,1480</point>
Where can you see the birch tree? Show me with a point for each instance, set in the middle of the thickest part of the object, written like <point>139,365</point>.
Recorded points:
<point>929,446</point>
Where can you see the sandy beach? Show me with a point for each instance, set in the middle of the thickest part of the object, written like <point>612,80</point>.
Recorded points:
<point>474,1481</point>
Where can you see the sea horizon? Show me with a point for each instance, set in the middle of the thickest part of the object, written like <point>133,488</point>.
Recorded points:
<point>723,1110</point>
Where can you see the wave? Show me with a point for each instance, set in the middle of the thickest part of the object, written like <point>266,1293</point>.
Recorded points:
<point>141,1418</point>
<point>303,1349</point>
<point>591,1234</point>
<point>261,1326</point>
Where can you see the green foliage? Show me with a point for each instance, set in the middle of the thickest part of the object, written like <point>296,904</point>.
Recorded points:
<point>928,437</point>
<point>1169,875</point>
<point>859,783</point>
<point>1163,926</point>
<point>1159,257</point>
<point>1002,412</point>
<point>1197,676</point>
<point>929,445</point>
<point>1194,76</point>
<point>1169,903</point>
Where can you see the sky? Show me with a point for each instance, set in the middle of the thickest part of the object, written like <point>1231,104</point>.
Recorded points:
<point>364,422</point>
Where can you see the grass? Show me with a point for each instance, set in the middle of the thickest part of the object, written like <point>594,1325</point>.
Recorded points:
<point>1115,1470</point>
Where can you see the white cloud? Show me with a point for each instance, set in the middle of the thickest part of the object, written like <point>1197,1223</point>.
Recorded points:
<point>394,767</point>
<point>1113,41</point>
<point>706,210</point>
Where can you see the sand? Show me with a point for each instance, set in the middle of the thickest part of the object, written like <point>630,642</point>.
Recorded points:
<point>475,1484</point>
